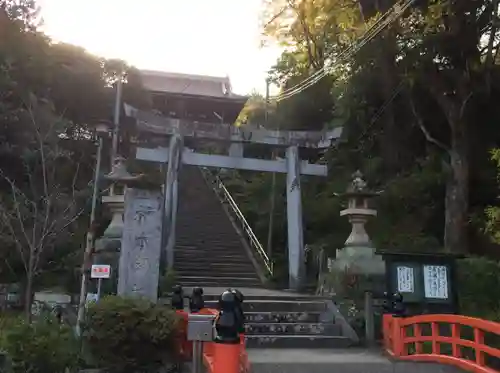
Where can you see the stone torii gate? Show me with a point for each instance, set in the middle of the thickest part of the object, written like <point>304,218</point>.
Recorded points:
<point>176,154</point>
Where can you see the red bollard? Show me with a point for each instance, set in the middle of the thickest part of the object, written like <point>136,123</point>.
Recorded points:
<point>226,358</point>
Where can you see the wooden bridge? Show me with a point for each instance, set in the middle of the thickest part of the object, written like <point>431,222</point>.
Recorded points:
<point>452,342</point>
<point>465,342</point>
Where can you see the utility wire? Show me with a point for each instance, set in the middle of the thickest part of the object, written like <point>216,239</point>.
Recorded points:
<point>321,71</point>
<point>381,110</point>
<point>344,56</point>
<point>387,18</point>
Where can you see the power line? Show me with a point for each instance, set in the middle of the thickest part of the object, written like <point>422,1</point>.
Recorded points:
<point>344,56</point>
<point>373,31</point>
<point>387,18</point>
<point>322,70</point>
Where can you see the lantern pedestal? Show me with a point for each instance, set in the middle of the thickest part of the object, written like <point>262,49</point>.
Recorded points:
<point>357,261</point>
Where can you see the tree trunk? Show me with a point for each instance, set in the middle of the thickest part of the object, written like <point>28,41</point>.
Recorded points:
<point>457,185</point>
<point>457,191</point>
<point>28,296</point>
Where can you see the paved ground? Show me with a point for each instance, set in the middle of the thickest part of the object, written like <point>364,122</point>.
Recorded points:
<point>332,361</point>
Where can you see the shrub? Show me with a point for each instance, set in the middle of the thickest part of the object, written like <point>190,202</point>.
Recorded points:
<point>130,335</point>
<point>476,279</point>
<point>167,282</point>
<point>40,347</point>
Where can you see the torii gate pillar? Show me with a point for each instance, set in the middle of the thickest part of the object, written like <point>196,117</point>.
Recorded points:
<point>236,138</point>
<point>296,255</point>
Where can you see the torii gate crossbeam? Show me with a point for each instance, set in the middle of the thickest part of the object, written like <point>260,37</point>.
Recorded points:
<point>291,165</point>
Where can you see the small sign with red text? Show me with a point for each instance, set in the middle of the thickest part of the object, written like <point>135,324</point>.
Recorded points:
<point>100,271</point>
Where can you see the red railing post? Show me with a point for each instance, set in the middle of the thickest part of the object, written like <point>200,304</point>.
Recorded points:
<point>185,347</point>
<point>226,358</point>
<point>417,332</point>
<point>435,336</point>
<point>396,336</point>
<point>479,340</point>
<point>456,351</point>
<point>387,331</point>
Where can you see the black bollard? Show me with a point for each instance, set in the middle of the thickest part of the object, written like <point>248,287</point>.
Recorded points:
<point>227,322</point>
<point>387,305</point>
<point>177,300</point>
<point>398,307</point>
<point>241,315</point>
<point>196,302</point>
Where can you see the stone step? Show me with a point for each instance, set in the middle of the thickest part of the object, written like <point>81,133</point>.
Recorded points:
<point>212,251</point>
<point>215,266</point>
<point>268,295</point>
<point>217,278</point>
<point>293,329</point>
<point>211,231</point>
<point>215,273</point>
<point>215,211</point>
<point>208,246</point>
<point>282,317</point>
<point>207,258</point>
<point>205,226</point>
<point>232,284</point>
<point>180,261</point>
<point>214,239</point>
<point>296,341</point>
<point>218,282</point>
<point>284,306</point>
<point>279,306</point>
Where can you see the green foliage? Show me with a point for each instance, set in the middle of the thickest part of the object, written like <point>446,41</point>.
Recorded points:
<point>129,335</point>
<point>51,96</point>
<point>41,346</point>
<point>398,129</point>
<point>477,277</point>
<point>492,226</point>
<point>167,282</point>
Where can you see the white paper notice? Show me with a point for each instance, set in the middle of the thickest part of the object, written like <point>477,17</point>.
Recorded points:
<point>436,282</point>
<point>405,279</point>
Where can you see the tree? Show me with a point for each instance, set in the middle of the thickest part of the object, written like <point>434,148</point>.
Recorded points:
<point>44,203</point>
<point>72,91</point>
<point>447,60</point>
<point>417,91</point>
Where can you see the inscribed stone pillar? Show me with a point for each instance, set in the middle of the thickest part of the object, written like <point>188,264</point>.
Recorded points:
<point>139,266</point>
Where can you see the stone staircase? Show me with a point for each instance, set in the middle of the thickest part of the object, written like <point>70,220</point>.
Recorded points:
<point>209,251</point>
<point>291,322</point>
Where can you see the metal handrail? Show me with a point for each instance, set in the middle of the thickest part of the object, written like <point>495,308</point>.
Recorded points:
<point>252,238</point>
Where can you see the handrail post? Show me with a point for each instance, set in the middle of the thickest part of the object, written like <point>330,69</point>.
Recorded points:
<point>226,358</point>
<point>369,321</point>
<point>396,334</point>
<point>479,341</point>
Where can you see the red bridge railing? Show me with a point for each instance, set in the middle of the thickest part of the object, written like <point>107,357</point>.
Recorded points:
<point>217,357</point>
<point>447,339</point>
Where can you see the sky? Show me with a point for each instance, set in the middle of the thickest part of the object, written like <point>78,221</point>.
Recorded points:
<point>208,37</point>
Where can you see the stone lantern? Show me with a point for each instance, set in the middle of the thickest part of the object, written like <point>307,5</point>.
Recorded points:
<point>358,212</point>
<point>108,246</point>
<point>120,179</point>
<point>358,255</point>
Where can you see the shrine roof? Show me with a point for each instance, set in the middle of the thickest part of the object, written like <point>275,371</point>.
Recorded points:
<point>189,85</point>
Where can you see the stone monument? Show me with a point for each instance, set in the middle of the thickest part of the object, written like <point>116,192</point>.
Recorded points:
<point>358,256</point>
<point>139,266</point>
